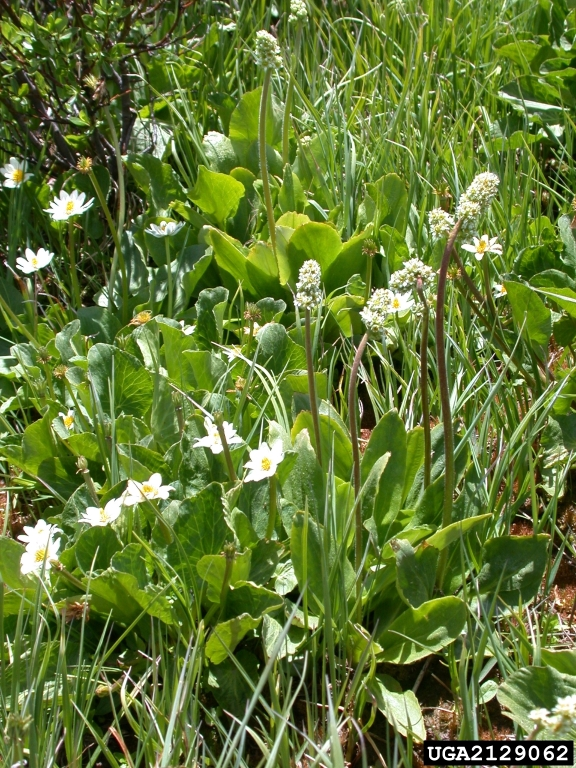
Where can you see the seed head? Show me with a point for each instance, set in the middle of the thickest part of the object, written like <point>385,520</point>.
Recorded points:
<point>298,11</point>
<point>252,312</point>
<point>369,247</point>
<point>440,223</point>
<point>43,356</point>
<point>60,371</point>
<point>477,198</point>
<point>405,279</point>
<point>84,165</point>
<point>376,310</point>
<point>267,52</point>
<point>308,287</point>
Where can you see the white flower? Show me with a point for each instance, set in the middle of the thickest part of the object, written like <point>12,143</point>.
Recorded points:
<point>32,262</point>
<point>256,327</point>
<point>136,493</point>
<point>102,515</point>
<point>264,461</point>
<point>41,548</point>
<point>477,198</point>
<point>482,246</point>
<point>66,205</point>
<point>540,717</point>
<point>406,279</point>
<point>267,53</point>
<point>401,302</point>
<point>68,419</point>
<point>298,11</point>
<point>39,531</point>
<point>164,229</point>
<point>308,287</point>
<point>499,290</point>
<point>441,223</point>
<point>377,308</point>
<point>14,173</point>
<point>212,439</point>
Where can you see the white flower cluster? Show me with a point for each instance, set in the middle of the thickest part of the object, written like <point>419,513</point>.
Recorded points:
<point>41,547</point>
<point>308,287</point>
<point>376,310</point>
<point>298,11</point>
<point>477,198</point>
<point>267,52</point>
<point>440,223</point>
<point>562,717</point>
<point>405,279</point>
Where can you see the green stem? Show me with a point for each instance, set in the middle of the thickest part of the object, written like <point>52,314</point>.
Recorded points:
<point>449,472</point>
<point>77,301</point>
<point>424,384</point>
<point>312,387</point>
<point>356,459</point>
<point>12,318</point>
<point>368,278</point>
<point>488,287</point>
<point>118,255</point>
<point>225,448</point>
<point>169,276</point>
<point>263,162</point>
<point>272,509</point>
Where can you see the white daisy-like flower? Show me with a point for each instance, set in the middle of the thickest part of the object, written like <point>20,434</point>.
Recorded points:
<point>164,229</point>
<point>68,419</point>
<point>136,493</point>
<point>39,531</point>
<point>41,548</point>
<point>482,246</point>
<point>212,439</point>
<point>14,173</point>
<point>499,290</point>
<point>102,515</point>
<point>256,327</point>
<point>540,717</point>
<point>32,262</point>
<point>67,205</point>
<point>400,302</point>
<point>264,461</point>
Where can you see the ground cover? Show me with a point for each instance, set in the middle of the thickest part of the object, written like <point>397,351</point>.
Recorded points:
<point>288,309</point>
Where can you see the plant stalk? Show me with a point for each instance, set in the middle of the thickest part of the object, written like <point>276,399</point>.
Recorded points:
<point>225,448</point>
<point>312,387</point>
<point>77,301</point>
<point>356,457</point>
<point>263,161</point>
<point>424,384</point>
<point>272,509</point>
<point>169,276</point>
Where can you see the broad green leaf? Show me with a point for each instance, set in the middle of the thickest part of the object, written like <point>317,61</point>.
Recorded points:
<point>84,444</point>
<point>334,439</point>
<point>10,554</point>
<point>271,631</point>
<point>133,559</point>
<point>95,548</point>
<point>98,323</point>
<point>277,351</point>
<point>230,256</point>
<point>391,201</point>
<point>351,260</point>
<point>44,459</point>
<point>244,123</point>
<point>359,643</point>
<point>210,315</point>
<point>402,710</point>
<point>69,342</point>
<point>139,462</point>
<point>228,682</point>
<point>217,195</point>
<point>207,369</point>
<point>157,179</point>
<point>514,565</point>
<point>534,688</point>
<point>389,436</point>
<point>132,383</point>
<point>320,242</point>
<point>415,571</point>
<point>564,660</point>
<point>220,152</point>
<point>200,528</point>
<point>246,597</point>
<point>529,312</point>
<point>564,297</point>
<point>414,457</point>
<point>212,568</point>
<point>119,593</point>
<point>394,245</point>
<point>304,485</point>
<point>226,636</point>
<point>418,632</point>
<point>194,472</point>
<point>445,536</point>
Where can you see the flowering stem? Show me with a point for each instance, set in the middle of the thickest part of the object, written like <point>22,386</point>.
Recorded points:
<point>356,456</point>
<point>424,384</point>
<point>67,575</point>
<point>449,473</point>
<point>312,387</point>
<point>263,163</point>
<point>288,105</point>
<point>272,509</point>
<point>487,286</point>
<point>225,448</point>
<point>77,301</point>
<point>118,255</point>
<point>368,278</point>
<point>169,276</point>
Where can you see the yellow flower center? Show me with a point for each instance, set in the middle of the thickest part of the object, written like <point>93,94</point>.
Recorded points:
<point>68,421</point>
<point>146,489</point>
<point>40,555</point>
<point>481,247</point>
<point>17,175</point>
<point>34,261</point>
<point>396,303</point>
<point>266,464</point>
<point>103,516</point>
<point>69,207</point>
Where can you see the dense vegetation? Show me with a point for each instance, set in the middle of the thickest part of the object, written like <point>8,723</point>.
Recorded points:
<point>287,318</point>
